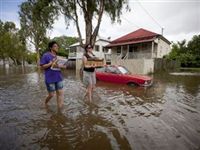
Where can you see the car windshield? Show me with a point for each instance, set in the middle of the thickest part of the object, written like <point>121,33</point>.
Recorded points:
<point>123,70</point>
<point>102,69</point>
<point>111,69</point>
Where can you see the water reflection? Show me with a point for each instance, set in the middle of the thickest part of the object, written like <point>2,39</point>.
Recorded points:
<point>60,131</point>
<point>163,116</point>
<point>190,83</point>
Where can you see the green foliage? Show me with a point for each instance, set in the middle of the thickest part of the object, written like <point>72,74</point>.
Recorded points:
<point>12,47</point>
<point>187,53</point>
<point>62,52</point>
<point>36,17</point>
<point>31,58</point>
<point>64,42</point>
<point>194,45</point>
<point>44,46</point>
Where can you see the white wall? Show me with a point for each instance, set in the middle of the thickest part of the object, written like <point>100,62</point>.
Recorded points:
<point>79,52</point>
<point>136,66</point>
<point>163,48</point>
<point>100,53</point>
<point>101,44</point>
<point>148,66</point>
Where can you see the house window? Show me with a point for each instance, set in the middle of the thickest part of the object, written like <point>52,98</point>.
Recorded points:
<point>130,50</point>
<point>73,50</point>
<point>118,50</point>
<point>161,48</point>
<point>97,48</point>
<point>133,48</point>
<point>144,46</point>
<point>105,50</point>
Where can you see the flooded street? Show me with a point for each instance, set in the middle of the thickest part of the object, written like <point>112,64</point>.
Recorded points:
<point>165,116</point>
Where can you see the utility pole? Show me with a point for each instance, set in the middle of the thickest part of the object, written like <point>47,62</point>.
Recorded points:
<point>162,29</point>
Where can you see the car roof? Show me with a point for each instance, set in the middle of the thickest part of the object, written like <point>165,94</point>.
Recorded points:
<point>114,66</point>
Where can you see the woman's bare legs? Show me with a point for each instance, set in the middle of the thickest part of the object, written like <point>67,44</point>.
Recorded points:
<point>49,96</point>
<point>60,98</point>
<point>89,93</point>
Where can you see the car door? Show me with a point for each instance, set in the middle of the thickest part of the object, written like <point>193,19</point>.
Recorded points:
<point>111,74</point>
<point>122,75</point>
<point>100,74</point>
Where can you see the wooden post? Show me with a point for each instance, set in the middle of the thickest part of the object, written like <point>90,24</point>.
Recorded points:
<point>152,50</point>
<point>121,51</point>
<point>128,51</point>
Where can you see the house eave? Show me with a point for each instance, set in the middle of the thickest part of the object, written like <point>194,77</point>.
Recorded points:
<point>128,43</point>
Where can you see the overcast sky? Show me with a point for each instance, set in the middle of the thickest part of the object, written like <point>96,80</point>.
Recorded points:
<point>179,18</point>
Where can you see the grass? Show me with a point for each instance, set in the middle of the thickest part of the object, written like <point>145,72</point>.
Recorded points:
<point>190,69</point>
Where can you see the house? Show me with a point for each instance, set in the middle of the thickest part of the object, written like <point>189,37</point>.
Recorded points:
<point>137,50</point>
<point>76,51</point>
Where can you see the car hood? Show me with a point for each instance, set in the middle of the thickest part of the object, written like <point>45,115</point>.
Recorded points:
<point>142,77</point>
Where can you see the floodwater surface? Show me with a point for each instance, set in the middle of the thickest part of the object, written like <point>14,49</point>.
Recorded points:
<point>165,116</point>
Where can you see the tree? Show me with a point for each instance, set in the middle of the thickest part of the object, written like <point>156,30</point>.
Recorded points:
<point>11,44</point>
<point>91,9</point>
<point>194,45</point>
<point>31,58</point>
<point>187,53</point>
<point>194,49</point>
<point>64,43</point>
<point>36,17</point>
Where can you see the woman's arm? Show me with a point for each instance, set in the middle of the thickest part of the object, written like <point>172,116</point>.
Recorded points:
<point>51,63</point>
<point>62,66</point>
<point>84,60</point>
<point>45,66</point>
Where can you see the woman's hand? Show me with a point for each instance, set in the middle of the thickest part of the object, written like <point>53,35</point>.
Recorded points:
<point>54,63</point>
<point>50,64</point>
<point>62,66</point>
<point>93,65</point>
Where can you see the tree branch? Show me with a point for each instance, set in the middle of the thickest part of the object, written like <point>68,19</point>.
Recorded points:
<point>77,25</point>
<point>84,7</point>
<point>80,4</point>
<point>96,30</point>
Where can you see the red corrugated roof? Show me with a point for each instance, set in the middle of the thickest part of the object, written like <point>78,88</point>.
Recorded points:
<point>138,36</point>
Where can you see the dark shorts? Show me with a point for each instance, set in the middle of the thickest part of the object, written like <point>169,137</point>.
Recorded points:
<point>51,87</point>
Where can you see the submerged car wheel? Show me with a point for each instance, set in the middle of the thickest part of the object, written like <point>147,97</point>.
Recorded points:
<point>132,84</point>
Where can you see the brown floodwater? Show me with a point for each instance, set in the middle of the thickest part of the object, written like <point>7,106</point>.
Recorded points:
<point>165,116</point>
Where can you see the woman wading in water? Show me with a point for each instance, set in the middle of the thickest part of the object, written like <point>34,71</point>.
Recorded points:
<point>89,76</point>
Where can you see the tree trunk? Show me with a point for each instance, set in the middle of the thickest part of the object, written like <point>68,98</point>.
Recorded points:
<point>14,61</point>
<point>38,58</point>
<point>96,30</point>
<point>38,55</point>
<point>4,62</point>
<point>88,25</point>
<point>23,61</point>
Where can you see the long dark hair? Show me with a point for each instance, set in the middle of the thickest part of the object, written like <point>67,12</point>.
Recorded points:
<point>50,45</point>
<point>86,48</point>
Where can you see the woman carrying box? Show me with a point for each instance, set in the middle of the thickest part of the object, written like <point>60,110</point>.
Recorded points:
<point>89,76</point>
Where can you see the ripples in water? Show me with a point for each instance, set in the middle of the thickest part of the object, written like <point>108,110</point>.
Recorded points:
<point>120,117</point>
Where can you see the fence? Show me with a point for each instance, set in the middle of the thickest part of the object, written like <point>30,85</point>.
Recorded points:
<point>161,64</point>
